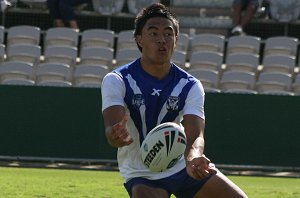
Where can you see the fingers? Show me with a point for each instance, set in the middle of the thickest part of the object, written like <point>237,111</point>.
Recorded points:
<point>212,168</point>
<point>124,121</point>
<point>201,167</point>
<point>120,134</point>
<point>199,172</point>
<point>128,140</point>
<point>122,124</point>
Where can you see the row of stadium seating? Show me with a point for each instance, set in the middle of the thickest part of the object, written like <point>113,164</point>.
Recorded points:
<point>215,42</point>
<point>91,75</point>
<point>52,74</point>
<point>187,45</point>
<point>278,83</point>
<point>98,51</point>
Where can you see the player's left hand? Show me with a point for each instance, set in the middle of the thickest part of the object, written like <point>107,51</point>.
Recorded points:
<point>200,167</point>
<point>118,135</point>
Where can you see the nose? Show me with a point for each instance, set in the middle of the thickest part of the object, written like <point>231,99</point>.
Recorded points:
<point>161,39</point>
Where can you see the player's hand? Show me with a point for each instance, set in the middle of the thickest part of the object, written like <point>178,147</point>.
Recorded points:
<point>200,167</point>
<point>119,135</point>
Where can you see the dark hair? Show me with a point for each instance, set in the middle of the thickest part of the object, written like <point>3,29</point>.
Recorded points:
<point>154,10</point>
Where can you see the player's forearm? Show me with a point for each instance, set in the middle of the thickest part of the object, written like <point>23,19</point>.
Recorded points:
<point>194,149</point>
<point>194,130</point>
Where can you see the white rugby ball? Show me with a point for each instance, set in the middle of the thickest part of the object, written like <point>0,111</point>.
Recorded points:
<point>163,146</point>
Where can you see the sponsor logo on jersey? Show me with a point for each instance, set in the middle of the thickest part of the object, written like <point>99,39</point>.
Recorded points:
<point>138,100</point>
<point>172,103</point>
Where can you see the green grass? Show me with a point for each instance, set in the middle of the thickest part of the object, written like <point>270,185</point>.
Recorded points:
<point>269,187</point>
<point>54,183</point>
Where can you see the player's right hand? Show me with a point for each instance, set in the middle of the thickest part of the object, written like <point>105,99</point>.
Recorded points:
<point>119,135</point>
<point>200,167</point>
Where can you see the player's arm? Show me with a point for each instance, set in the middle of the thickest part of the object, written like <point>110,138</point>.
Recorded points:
<point>198,165</point>
<point>115,121</point>
<point>194,129</point>
<point>113,110</point>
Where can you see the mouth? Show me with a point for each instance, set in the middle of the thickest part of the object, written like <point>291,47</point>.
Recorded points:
<point>162,49</point>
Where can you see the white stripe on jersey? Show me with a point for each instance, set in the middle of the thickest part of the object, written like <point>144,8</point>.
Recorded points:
<point>136,89</point>
<point>175,92</point>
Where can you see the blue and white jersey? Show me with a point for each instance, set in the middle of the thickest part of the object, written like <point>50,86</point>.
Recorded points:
<point>150,102</point>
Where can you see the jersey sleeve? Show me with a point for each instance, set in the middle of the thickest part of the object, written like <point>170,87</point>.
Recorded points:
<point>112,90</point>
<point>194,103</point>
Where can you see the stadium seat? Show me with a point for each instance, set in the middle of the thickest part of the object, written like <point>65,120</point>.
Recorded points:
<point>280,63</point>
<point>183,42</point>
<point>61,54</point>
<point>97,38</point>
<point>242,62</point>
<point>97,55</point>
<point>53,72</point>
<point>125,56</point>
<point>243,44</point>
<point>16,70</point>
<point>208,78</point>
<point>24,52</point>
<point>237,80</point>
<point>61,36</point>
<point>273,81</point>
<point>125,40</point>
<point>23,34</point>
<point>179,58</point>
<point>208,42</point>
<point>281,45</point>
<point>86,75</point>
<point>206,60</point>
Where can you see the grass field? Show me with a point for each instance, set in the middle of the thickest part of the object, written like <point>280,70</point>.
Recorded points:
<point>54,183</point>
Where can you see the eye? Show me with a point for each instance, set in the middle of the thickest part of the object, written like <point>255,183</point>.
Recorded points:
<point>152,34</point>
<point>169,34</point>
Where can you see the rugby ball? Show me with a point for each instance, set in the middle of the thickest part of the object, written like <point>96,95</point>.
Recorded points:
<point>163,146</point>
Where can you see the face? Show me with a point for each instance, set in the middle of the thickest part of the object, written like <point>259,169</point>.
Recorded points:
<point>158,41</point>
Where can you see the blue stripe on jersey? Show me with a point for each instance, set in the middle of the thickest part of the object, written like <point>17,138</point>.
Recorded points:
<point>151,101</point>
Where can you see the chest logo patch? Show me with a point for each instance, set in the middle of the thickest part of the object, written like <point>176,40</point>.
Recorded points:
<point>172,103</point>
<point>138,100</point>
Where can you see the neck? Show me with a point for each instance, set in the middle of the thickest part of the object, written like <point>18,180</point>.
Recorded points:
<point>156,70</point>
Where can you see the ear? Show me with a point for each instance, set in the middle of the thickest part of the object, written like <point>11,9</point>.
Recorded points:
<point>138,40</point>
<point>176,39</point>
